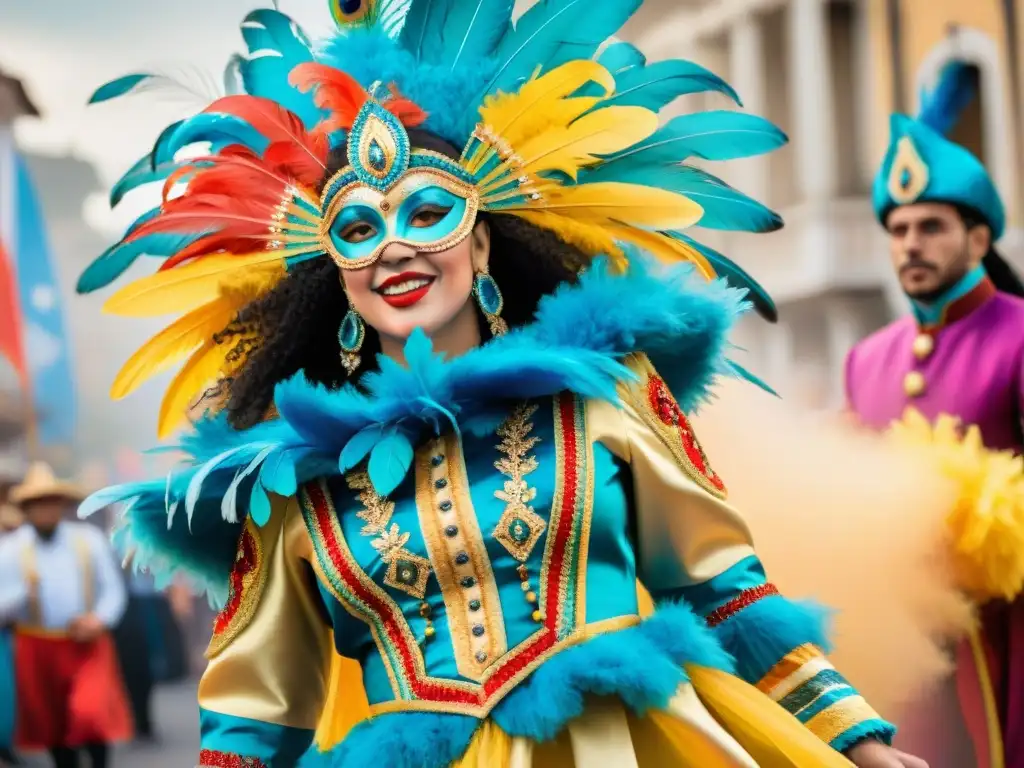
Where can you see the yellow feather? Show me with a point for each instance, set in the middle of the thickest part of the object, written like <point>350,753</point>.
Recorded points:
<point>172,344</point>
<point>592,239</point>
<point>663,247</point>
<point>630,204</point>
<point>567,149</point>
<point>543,103</point>
<point>189,285</point>
<point>206,365</point>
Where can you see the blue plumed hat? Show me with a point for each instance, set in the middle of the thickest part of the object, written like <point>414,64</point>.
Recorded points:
<point>922,165</point>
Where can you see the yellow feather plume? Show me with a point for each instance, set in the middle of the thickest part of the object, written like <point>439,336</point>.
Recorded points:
<point>986,526</point>
<point>543,103</point>
<point>207,365</point>
<point>663,247</point>
<point>190,285</point>
<point>592,239</point>
<point>171,345</point>
<point>634,205</point>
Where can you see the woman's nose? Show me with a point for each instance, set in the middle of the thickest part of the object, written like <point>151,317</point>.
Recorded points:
<point>397,252</point>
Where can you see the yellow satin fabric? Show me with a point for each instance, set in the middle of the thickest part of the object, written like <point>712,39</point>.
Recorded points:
<point>716,722</point>
<point>274,670</point>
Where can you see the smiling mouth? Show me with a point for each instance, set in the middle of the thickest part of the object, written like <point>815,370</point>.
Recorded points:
<point>405,290</point>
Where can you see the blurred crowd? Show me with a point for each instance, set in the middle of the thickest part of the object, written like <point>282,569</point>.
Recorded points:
<point>84,636</point>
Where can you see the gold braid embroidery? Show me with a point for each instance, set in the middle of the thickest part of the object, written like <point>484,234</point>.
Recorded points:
<point>519,527</point>
<point>406,572</point>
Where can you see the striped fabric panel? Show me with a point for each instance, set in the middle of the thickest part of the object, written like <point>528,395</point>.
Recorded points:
<point>807,686</point>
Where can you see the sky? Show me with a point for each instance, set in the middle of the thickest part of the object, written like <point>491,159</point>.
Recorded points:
<point>63,49</point>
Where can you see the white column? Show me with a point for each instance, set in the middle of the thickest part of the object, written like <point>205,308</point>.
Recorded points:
<point>810,84</point>
<point>844,327</point>
<point>747,76</point>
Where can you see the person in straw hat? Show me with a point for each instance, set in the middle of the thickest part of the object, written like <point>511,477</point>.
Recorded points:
<point>61,587</point>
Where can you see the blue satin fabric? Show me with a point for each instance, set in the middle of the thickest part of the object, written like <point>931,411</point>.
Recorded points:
<point>611,566</point>
<point>8,701</point>
<point>273,744</point>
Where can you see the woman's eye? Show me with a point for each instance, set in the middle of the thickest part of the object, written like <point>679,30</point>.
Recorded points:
<point>428,217</point>
<point>358,232</point>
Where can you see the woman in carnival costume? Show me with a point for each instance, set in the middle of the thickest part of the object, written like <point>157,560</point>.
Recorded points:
<point>435,269</point>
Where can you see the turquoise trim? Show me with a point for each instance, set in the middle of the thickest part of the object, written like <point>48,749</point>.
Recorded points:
<point>931,313</point>
<point>810,690</point>
<point>276,745</point>
<point>825,700</point>
<point>875,728</point>
<point>716,592</point>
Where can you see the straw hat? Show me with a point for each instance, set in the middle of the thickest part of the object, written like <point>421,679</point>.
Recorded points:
<point>41,483</point>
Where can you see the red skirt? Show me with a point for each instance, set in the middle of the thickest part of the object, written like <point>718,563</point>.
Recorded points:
<point>69,694</point>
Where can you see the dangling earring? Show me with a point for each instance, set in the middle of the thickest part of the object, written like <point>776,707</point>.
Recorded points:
<point>490,300</point>
<point>351,336</point>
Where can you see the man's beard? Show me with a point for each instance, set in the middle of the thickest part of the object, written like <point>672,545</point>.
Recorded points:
<point>46,533</point>
<point>951,278</point>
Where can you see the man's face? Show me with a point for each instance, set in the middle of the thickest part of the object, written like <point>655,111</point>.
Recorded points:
<point>45,514</point>
<point>932,248</point>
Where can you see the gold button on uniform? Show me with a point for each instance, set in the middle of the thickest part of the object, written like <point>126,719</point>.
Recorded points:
<point>924,345</point>
<point>914,384</point>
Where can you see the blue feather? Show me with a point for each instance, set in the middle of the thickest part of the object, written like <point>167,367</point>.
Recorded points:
<point>735,276</point>
<point>471,30</point>
<point>740,372</point>
<point>724,207</point>
<point>423,34</point>
<point>119,87</point>
<point>553,32</point>
<point>618,57</point>
<point>657,85</point>
<point>957,87</point>
<point>714,135</point>
<point>141,173</point>
<point>276,46</point>
<point>390,460</point>
<point>114,261</point>
<point>259,504</point>
<point>218,129</point>
<point>359,447</point>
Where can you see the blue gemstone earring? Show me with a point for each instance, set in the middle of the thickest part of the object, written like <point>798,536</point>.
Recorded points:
<point>490,300</point>
<point>351,336</point>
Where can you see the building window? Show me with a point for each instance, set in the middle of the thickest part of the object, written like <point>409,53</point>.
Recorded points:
<point>846,87</point>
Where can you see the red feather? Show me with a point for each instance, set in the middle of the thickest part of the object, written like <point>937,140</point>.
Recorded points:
<point>334,90</point>
<point>292,162</point>
<point>273,121</point>
<point>406,110</point>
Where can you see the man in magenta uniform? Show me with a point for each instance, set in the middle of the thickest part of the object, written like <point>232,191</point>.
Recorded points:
<point>961,352</point>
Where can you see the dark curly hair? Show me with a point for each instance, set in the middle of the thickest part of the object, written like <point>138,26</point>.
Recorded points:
<point>296,323</point>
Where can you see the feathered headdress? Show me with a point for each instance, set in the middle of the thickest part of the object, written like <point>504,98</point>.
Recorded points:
<point>554,128</point>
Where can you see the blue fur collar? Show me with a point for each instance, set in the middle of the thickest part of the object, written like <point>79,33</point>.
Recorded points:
<point>577,343</point>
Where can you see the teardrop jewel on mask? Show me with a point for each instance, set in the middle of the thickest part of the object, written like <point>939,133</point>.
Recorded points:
<point>376,157</point>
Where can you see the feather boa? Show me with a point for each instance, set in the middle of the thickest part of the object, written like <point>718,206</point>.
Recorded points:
<point>189,521</point>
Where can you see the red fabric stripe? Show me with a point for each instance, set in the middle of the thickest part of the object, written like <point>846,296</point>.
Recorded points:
<point>744,599</point>
<point>11,345</point>
<point>208,758</point>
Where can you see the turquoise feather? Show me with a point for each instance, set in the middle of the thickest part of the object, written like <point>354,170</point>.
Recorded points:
<point>740,372</point>
<point>724,207</point>
<point>218,129</point>
<point>553,32</point>
<point>714,135</point>
<point>736,276</point>
<point>141,173</point>
<point>276,46</point>
<point>618,57</point>
<point>114,261</point>
<point>473,28</point>
<point>390,461</point>
<point>655,86</point>
<point>359,447</point>
<point>423,34</point>
<point>119,87</point>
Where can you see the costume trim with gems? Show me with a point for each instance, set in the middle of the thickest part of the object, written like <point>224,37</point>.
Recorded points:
<point>563,134</point>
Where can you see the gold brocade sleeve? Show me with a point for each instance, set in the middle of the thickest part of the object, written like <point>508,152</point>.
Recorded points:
<point>687,532</point>
<point>271,647</point>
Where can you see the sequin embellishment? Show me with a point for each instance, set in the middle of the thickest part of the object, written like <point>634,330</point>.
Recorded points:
<point>244,589</point>
<point>209,758</point>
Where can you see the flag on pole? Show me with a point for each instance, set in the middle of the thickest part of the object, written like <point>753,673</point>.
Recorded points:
<point>41,346</point>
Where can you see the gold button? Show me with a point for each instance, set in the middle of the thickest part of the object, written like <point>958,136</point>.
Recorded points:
<point>914,384</point>
<point>924,345</point>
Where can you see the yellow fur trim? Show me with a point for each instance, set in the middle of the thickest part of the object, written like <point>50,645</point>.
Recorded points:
<point>986,525</point>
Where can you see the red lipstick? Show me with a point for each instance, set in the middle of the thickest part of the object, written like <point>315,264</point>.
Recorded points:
<point>419,286</point>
